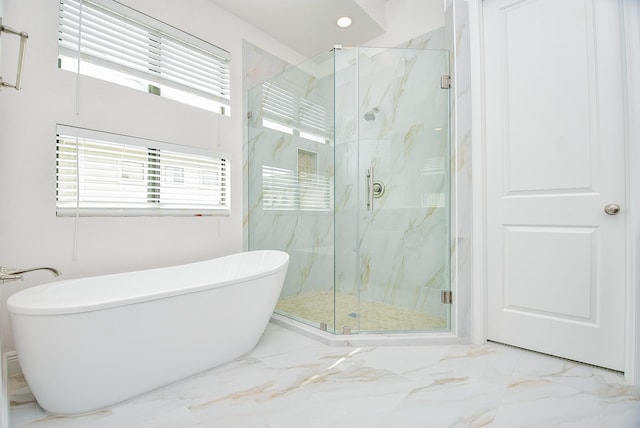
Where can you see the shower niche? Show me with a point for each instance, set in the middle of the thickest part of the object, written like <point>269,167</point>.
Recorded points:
<point>348,171</point>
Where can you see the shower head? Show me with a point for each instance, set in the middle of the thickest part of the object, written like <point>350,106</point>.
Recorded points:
<point>371,114</point>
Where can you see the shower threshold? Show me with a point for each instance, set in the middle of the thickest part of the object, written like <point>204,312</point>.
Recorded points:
<point>376,322</point>
<point>418,338</point>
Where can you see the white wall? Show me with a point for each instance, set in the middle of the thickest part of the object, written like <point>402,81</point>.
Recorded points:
<point>408,19</point>
<point>1,22</point>
<point>632,39</point>
<point>30,233</point>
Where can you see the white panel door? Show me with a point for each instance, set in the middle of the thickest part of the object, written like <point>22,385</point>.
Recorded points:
<point>554,160</point>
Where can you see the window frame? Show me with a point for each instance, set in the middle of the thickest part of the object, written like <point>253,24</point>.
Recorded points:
<point>157,58</point>
<point>150,176</point>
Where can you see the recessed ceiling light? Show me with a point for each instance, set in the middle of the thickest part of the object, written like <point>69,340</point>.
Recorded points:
<point>344,22</point>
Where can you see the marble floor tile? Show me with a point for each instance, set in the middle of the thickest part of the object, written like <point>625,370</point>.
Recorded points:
<point>290,381</point>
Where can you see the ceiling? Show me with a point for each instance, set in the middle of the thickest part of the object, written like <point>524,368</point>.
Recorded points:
<point>309,26</point>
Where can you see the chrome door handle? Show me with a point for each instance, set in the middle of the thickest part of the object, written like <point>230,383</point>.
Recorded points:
<point>370,192</point>
<point>612,209</point>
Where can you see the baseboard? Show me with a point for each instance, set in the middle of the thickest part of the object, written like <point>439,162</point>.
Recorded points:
<point>10,367</point>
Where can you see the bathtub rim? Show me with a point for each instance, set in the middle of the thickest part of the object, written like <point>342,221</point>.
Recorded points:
<point>25,302</point>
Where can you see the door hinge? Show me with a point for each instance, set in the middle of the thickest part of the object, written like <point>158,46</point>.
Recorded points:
<point>445,81</point>
<point>249,115</point>
<point>446,297</point>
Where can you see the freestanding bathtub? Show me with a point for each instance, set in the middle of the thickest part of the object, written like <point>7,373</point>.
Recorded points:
<point>85,344</point>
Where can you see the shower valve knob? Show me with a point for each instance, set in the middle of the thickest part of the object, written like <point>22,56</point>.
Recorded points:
<point>378,189</point>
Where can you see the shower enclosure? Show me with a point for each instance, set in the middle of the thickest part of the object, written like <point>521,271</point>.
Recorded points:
<point>348,168</point>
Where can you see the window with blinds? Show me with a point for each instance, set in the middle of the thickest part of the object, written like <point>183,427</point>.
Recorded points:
<point>286,190</point>
<point>102,174</point>
<point>286,112</point>
<point>120,45</point>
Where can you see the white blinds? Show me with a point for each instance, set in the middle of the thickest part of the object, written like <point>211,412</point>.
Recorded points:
<point>95,176</point>
<point>284,107</point>
<point>112,40</point>
<point>283,189</point>
<point>279,189</point>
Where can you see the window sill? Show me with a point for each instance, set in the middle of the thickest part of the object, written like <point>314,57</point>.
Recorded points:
<point>139,212</point>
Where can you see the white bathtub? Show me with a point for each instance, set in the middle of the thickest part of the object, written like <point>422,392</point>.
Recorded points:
<point>85,344</point>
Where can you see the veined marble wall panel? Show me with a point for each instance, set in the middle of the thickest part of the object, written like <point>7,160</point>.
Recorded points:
<point>348,177</point>
<point>432,40</point>
<point>258,66</point>
<point>349,197</point>
<point>277,216</point>
<point>403,241</point>
<point>458,43</point>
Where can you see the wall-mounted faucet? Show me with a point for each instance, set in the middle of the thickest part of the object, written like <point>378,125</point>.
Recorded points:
<point>12,274</point>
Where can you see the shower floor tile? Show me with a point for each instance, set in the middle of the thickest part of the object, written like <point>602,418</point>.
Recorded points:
<point>291,381</point>
<point>317,306</point>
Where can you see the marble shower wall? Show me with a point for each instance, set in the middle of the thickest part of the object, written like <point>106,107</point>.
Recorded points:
<point>290,176</point>
<point>396,252</point>
<point>457,41</point>
<point>311,242</point>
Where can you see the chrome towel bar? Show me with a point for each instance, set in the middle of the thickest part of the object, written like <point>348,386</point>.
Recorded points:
<point>23,46</point>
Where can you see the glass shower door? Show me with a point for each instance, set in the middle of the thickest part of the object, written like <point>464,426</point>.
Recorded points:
<point>290,185</point>
<point>403,228</point>
<point>348,171</point>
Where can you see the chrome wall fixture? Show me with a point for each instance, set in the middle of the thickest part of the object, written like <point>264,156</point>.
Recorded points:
<point>13,274</point>
<point>370,189</point>
<point>23,46</point>
<point>375,189</point>
<point>371,114</point>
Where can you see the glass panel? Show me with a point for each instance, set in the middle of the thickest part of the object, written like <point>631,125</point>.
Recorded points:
<point>357,264</point>
<point>347,188</point>
<point>402,151</point>
<point>290,171</point>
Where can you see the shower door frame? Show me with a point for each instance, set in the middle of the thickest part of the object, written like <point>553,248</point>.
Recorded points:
<point>444,60</point>
<point>455,334</point>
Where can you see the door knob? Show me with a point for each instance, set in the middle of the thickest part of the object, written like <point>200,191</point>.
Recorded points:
<point>612,209</point>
